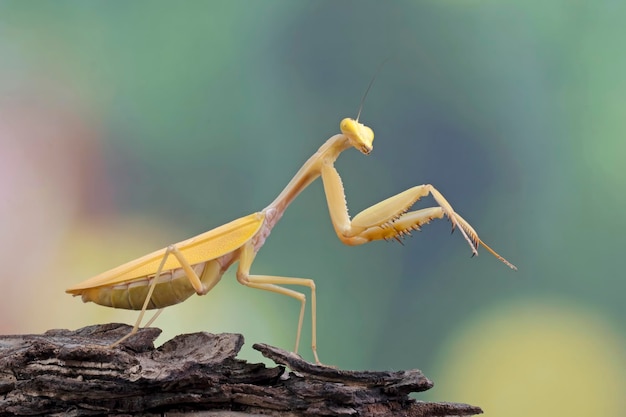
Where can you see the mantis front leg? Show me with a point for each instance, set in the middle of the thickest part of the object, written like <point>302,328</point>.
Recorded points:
<point>389,219</point>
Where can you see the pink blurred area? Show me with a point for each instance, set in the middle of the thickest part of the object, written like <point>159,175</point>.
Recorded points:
<point>51,171</point>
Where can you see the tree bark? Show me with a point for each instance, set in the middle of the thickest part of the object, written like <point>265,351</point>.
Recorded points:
<point>74,373</point>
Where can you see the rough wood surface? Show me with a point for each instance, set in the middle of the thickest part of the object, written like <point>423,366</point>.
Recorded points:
<point>74,373</point>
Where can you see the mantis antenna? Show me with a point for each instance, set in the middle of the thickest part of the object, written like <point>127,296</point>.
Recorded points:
<point>369,86</point>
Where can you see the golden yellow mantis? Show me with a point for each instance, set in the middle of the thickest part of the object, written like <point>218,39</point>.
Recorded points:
<point>171,275</point>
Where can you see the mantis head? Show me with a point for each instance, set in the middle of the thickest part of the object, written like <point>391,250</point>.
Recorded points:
<point>360,136</point>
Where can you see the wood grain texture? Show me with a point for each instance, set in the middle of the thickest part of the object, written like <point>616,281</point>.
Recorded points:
<point>74,373</point>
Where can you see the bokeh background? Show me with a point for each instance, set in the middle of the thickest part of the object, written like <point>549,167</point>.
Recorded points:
<point>126,126</point>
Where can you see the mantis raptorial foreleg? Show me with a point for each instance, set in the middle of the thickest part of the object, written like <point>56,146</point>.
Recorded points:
<point>408,222</point>
<point>272,283</point>
<point>389,218</point>
<point>389,212</point>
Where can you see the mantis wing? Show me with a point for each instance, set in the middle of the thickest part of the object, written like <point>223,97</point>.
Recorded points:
<point>204,247</point>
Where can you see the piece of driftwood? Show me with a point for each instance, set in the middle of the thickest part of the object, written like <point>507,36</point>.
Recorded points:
<point>74,373</point>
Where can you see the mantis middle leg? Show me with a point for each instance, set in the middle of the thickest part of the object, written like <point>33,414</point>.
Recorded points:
<point>272,283</point>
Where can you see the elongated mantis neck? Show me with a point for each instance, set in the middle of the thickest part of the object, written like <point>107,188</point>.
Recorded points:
<point>308,173</point>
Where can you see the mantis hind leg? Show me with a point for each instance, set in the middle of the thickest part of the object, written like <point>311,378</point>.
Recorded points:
<point>157,275</point>
<point>272,283</point>
<point>197,284</point>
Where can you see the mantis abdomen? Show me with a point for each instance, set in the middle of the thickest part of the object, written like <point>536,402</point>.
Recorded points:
<point>173,287</point>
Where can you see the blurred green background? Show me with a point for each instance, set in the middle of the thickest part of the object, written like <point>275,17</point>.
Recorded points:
<point>126,126</point>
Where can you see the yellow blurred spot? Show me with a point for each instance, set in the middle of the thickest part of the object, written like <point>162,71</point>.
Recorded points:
<point>539,358</point>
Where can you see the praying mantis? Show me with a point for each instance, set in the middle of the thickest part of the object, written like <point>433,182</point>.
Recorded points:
<point>171,275</point>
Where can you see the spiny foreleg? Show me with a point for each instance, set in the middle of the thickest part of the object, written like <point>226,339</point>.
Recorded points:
<point>389,219</point>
